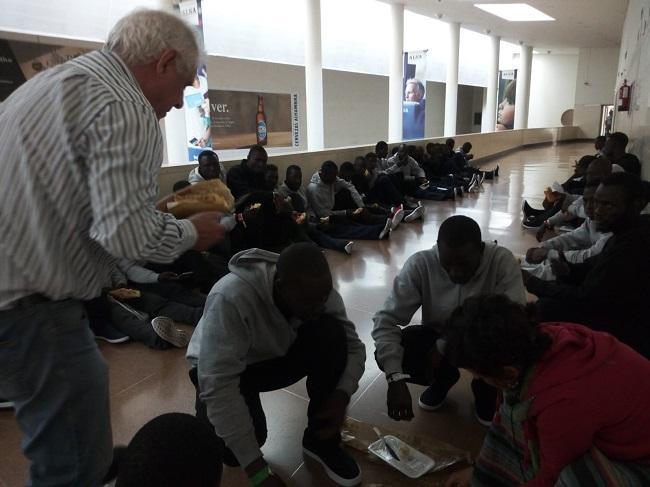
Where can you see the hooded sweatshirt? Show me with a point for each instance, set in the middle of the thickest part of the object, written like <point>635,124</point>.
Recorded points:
<point>241,326</point>
<point>587,390</point>
<point>578,245</point>
<point>423,283</point>
<point>321,196</point>
<point>195,176</point>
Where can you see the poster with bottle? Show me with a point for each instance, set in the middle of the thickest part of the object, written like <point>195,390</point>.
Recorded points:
<point>240,119</point>
<point>414,95</point>
<point>506,100</point>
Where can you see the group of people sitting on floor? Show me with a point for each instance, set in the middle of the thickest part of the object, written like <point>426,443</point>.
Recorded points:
<point>556,382</point>
<point>564,402</point>
<point>366,200</point>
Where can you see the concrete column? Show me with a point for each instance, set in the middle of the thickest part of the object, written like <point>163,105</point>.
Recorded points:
<point>395,72</point>
<point>314,77</point>
<point>451,90</point>
<point>522,99</point>
<point>489,118</point>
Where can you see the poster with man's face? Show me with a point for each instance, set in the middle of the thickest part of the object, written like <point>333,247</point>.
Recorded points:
<point>414,95</point>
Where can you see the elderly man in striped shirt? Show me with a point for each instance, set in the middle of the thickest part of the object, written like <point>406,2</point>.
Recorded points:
<point>81,148</point>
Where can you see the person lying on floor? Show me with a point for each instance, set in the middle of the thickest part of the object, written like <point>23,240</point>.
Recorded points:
<point>436,280</point>
<point>271,322</point>
<point>610,291</point>
<point>578,245</point>
<point>339,208</point>
<point>292,189</point>
<point>573,410</point>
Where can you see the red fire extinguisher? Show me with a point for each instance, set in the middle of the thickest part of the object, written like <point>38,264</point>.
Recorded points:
<point>624,97</point>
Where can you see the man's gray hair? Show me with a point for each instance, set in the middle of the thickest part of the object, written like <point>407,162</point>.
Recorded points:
<point>141,36</point>
<point>419,85</point>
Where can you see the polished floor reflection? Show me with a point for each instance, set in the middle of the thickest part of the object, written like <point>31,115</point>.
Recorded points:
<point>146,383</point>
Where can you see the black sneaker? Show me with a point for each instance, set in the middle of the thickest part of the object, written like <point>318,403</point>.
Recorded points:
<point>496,172</point>
<point>338,464</point>
<point>485,402</point>
<point>432,398</point>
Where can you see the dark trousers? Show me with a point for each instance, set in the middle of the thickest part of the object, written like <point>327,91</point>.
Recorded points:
<point>208,268</point>
<point>324,240</point>
<point>173,291</point>
<point>319,353</point>
<point>418,342</point>
<point>385,192</point>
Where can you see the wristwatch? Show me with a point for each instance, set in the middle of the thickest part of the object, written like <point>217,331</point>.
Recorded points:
<point>396,377</point>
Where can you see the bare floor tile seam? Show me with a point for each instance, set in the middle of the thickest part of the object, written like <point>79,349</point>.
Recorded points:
<point>135,384</point>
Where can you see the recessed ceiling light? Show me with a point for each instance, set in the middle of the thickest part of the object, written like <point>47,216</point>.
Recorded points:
<point>514,12</point>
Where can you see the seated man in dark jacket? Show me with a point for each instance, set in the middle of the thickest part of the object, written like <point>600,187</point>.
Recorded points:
<point>609,292</point>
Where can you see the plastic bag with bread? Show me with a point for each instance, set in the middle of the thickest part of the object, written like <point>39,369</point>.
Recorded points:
<point>210,195</point>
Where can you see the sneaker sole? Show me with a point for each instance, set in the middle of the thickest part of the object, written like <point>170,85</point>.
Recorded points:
<point>112,340</point>
<point>6,405</point>
<point>397,219</point>
<point>414,215</point>
<point>332,475</point>
<point>483,422</point>
<point>386,231</point>
<point>166,329</point>
<point>426,407</point>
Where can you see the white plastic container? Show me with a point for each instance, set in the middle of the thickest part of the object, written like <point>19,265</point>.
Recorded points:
<point>412,462</point>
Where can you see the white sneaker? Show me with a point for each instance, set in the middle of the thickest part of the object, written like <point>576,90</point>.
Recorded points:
<point>385,233</point>
<point>348,248</point>
<point>397,217</point>
<point>473,188</point>
<point>416,214</point>
<point>166,329</point>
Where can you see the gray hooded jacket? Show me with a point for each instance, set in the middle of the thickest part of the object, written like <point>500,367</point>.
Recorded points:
<point>241,326</point>
<point>321,196</point>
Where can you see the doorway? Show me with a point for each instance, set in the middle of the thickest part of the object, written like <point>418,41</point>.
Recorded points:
<point>606,119</point>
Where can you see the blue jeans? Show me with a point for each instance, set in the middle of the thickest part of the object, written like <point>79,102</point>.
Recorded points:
<point>53,372</point>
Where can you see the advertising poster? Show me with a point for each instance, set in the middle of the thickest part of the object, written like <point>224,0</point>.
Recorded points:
<point>20,61</point>
<point>240,119</point>
<point>506,106</point>
<point>195,97</point>
<point>414,100</point>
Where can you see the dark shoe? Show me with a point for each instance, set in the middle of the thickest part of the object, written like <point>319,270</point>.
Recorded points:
<point>338,464</point>
<point>432,398</point>
<point>485,402</point>
<point>104,331</point>
<point>496,172</point>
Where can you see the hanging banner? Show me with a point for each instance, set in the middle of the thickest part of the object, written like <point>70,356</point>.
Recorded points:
<point>20,61</point>
<point>506,99</point>
<point>240,119</point>
<point>195,97</point>
<point>414,101</point>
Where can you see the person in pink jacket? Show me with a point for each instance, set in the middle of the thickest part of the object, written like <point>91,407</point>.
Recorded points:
<point>574,402</point>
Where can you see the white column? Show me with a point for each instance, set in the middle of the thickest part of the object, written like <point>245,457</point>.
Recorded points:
<point>522,98</point>
<point>451,90</point>
<point>489,118</point>
<point>395,72</point>
<point>314,78</point>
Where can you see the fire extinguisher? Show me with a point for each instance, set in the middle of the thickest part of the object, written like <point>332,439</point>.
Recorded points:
<point>624,97</point>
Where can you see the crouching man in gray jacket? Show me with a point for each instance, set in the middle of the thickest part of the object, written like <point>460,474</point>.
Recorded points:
<point>461,265</point>
<point>270,322</point>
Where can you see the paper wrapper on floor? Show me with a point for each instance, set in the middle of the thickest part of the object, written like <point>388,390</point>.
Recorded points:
<point>210,195</point>
<point>359,435</point>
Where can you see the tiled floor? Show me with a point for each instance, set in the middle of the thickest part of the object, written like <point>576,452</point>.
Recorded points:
<point>146,383</point>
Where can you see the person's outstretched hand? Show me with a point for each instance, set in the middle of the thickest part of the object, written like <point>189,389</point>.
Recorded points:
<point>536,255</point>
<point>398,400</point>
<point>209,231</point>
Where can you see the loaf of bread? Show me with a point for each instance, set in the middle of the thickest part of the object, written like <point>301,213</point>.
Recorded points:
<point>210,195</point>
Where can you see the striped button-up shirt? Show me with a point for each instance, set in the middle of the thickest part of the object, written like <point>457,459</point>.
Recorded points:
<point>80,149</point>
